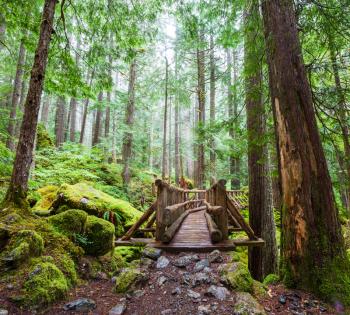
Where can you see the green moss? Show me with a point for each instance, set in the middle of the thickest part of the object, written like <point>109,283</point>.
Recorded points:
<point>129,253</point>
<point>44,285</point>
<point>67,266</point>
<point>44,141</point>
<point>95,202</point>
<point>23,245</point>
<point>271,279</point>
<point>259,290</point>
<point>47,196</point>
<point>100,236</point>
<point>238,277</point>
<point>69,222</point>
<point>112,262</point>
<point>247,305</point>
<point>240,255</point>
<point>127,279</point>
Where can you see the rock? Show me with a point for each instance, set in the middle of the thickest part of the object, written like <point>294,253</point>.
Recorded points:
<point>186,278</point>
<point>162,262</point>
<point>10,286</point>
<point>24,245</point>
<point>207,270</point>
<point>3,312</point>
<point>176,291</point>
<point>80,305</point>
<point>282,299</point>
<point>45,284</point>
<point>200,278</point>
<point>146,262</point>
<point>138,293</point>
<point>69,222</point>
<point>204,310</point>
<point>219,293</point>
<point>200,265</point>
<point>184,261</point>
<point>95,202</point>
<point>236,275</point>
<point>161,280</point>
<point>193,294</point>
<point>215,257</point>
<point>152,253</point>
<point>119,309</point>
<point>245,304</point>
<point>167,312</point>
<point>129,279</point>
<point>100,236</point>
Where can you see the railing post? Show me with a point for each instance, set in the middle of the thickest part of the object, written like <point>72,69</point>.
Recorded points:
<point>221,200</point>
<point>161,205</point>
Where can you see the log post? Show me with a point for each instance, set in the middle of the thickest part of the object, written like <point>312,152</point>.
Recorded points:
<point>161,204</point>
<point>221,200</point>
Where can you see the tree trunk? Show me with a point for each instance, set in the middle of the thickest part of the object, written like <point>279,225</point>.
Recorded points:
<point>85,112</point>
<point>262,260</point>
<point>212,111</point>
<point>169,143</point>
<point>17,190</point>
<point>16,96</point>
<point>129,121</point>
<point>97,129</point>
<point>60,121</point>
<point>201,114</point>
<point>164,159</point>
<point>21,106</point>
<point>44,118</point>
<point>313,254</point>
<point>2,31</point>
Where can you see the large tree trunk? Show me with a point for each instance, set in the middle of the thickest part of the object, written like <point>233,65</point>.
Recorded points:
<point>17,190</point>
<point>212,111</point>
<point>262,260</point>
<point>85,112</point>
<point>21,106</point>
<point>170,161</point>
<point>16,97</point>
<point>129,121</point>
<point>164,158</point>
<point>60,120</point>
<point>313,252</point>
<point>98,121</point>
<point>201,115</point>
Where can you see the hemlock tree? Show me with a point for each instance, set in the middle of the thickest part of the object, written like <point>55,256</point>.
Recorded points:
<point>313,253</point>
<point>17,190</point>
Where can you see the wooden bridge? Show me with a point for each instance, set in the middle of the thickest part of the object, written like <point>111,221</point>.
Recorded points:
<point>200,220</point>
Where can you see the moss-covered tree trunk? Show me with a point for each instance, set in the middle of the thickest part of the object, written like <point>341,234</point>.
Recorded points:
<point>129,121</point>
<point>262,260</point>
<point>313,253</point>
<point>19,181</point>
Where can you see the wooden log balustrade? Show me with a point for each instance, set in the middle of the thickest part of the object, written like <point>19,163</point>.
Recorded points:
<point>183,219</point>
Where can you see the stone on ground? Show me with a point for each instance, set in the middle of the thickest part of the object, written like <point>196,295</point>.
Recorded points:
<point>129,279</point>
<point>119,309</point>
<point>220,293</point>
<point>185,261</point>
<point>245,304</point>
<point>215,257</point>
<point>162,262</point>
<point>80,305</point>
<point>236,275</point>
<point>200,265</point>
<point>152,253</point>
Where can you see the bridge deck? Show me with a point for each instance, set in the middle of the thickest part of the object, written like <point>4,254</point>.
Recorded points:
<point>194,235</point>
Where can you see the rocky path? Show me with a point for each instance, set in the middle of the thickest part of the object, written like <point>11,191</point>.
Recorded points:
<point>185,284</point>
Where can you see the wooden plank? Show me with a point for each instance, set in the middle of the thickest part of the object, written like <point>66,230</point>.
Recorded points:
<point>248,242</point>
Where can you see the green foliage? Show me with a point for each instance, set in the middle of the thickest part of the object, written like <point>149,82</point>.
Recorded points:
<point>271,279</point>
<point>70,222</point>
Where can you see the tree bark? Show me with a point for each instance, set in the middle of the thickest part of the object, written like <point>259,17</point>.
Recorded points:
<point>98,121</point>
<point>17,190</point>
<point>201,114</point>
<point>16,96</point>
<point>85,112</point>
<point>262,260</point>
<point>44,118</point>
<point>60,120</point>
<point>129,121</point>
<point>311,236</point>
<point>164,158</point>
<point>169,143</point>
<point>21,106</point>
<point>212,111</point>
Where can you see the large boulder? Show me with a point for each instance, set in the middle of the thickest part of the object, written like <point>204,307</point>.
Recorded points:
<point>22,246</point>
<point>245,304</point>
<point>70,222</point>
<point>47,196</point>
<point>44,285</point>
<point>99,235</point>
<point>95,202</point>
<point>236,275</point>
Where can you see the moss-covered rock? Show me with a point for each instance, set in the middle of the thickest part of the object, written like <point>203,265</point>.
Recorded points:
<point>245,304</point>
<point>70,222</point>
<point>237,276</point>
<point>100,236</point>
<point>44,140</point>
<point>23,245</point>
<point>271,279</point>
<point>129,253</point>
<point>95,202</point>
<point>129,279</point>
<point>44,285</point>
<point>112,262</point>
<point>47,196</point>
